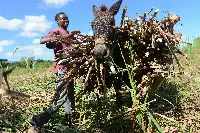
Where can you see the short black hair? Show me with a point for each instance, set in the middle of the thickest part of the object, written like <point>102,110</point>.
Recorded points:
<point>56,17</point>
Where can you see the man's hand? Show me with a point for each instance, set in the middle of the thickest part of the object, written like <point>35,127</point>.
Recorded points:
<point>75,32</point>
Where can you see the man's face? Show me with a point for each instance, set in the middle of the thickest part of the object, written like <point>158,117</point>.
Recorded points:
<point>63,20</point>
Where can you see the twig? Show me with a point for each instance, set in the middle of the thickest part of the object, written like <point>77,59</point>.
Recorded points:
<point>165,100</point>
<point>163,116</point>
<point>85,83</point>
<point>172,52</point>
<point>123,15</point>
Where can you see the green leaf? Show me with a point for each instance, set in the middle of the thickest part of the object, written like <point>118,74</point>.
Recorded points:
<point>155,122</point>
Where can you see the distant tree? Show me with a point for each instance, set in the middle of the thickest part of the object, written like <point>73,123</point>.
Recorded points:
<point>189,50</point>
<point>22,62</point>
<point>16,63</point>
<point>40,60</point>
<point>3,63</point>
<point>197,42</point>
<point>27,62</point>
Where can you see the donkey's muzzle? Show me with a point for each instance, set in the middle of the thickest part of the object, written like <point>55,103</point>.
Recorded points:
<point>100,52</point>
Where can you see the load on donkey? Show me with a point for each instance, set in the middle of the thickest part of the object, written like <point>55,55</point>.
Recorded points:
<point>138,53</point>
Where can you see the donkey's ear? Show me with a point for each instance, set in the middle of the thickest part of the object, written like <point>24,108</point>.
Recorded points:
<point>115,7</point>
<point>95,10</point>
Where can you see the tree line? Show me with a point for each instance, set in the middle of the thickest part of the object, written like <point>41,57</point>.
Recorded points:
<point>25,62</point>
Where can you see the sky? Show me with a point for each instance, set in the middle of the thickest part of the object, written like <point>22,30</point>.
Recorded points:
<point>24,22</point>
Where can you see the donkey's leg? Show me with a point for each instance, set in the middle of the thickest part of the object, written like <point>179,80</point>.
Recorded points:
<point>117,87</point>
<point>116,82</point>
<point>127,82</point>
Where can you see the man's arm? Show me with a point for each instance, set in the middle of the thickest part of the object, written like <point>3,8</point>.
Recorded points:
<point>69,38</point>
<point>71,35</point>
<point>48,38</point>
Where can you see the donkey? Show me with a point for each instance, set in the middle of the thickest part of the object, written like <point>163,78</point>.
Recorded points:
<point>104,33</point>
<point>6,90</point>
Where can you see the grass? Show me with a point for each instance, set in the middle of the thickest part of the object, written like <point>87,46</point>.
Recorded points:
<point>174,107</point>
<point>171,98</point>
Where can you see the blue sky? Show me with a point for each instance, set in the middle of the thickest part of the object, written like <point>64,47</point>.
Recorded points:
<point>23,23</point>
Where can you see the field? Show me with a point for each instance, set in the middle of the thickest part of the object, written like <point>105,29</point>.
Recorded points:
<point>175,107</point>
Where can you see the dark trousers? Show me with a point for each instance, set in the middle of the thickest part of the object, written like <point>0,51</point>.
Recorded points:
<point>65,98</point>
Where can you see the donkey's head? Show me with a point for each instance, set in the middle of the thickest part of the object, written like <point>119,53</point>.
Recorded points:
<point>103,30</point>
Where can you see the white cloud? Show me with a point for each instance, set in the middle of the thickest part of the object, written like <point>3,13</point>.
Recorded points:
<point>177,28</point>
<point>36,41</point>
<point>28,34</point>
<point>90,33</point>
<point>36,23</point>
<point>9,54</point>
<point>31,26</point>
<point>36,50</point>
<point>57,3</point>
<point>12,24</point>
<point>172,12</point>
<point>1,49</point>
<point>4,43</point>
<point>30,50</point>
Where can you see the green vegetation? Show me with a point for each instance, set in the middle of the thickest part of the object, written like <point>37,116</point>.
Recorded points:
<point>174,107</point>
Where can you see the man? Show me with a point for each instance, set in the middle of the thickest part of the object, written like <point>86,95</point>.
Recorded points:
<point>67,96</point>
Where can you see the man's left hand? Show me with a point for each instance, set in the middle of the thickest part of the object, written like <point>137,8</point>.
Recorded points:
<point>75,32</point>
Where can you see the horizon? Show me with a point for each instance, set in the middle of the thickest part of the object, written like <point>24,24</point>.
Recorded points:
<point>23,28</point>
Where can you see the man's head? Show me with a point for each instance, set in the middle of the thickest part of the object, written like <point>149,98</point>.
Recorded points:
<point>103,30</point>
<point>62,20</point>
